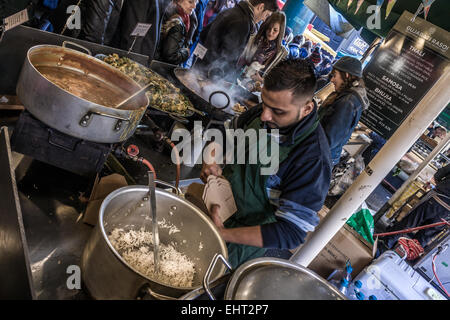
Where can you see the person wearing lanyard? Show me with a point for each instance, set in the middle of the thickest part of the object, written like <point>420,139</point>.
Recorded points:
<point>277,210</point>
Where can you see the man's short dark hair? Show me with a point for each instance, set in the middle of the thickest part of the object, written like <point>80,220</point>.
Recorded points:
<point>296,75</point>
<point>270,5</point>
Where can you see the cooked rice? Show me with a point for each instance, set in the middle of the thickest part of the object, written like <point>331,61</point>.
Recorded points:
<point>167,225</point>
<point>175,268</point>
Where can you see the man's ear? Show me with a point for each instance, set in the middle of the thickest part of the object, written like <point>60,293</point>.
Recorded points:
<point>260,7</point>
<point>308,108</point>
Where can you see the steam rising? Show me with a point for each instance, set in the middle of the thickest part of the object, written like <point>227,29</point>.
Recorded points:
<point>197,82</point>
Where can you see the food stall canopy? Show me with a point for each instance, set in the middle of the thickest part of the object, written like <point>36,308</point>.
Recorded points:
<point>337,22</point>
<point>437,14</point>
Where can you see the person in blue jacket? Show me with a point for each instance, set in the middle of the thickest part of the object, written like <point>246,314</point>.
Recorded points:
<point>295,45</point>
<point>277,210</point>
<point>341,110</point>
<point>200,10</point>
<point>305,50</point>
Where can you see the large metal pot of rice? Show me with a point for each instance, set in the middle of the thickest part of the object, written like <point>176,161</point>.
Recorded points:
<point>113,270</point>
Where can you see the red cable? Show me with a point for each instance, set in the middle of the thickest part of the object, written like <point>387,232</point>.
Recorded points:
<point>437,278</point>
<point>149,165</point>
<point>412,229</point>
<point>133,152</point>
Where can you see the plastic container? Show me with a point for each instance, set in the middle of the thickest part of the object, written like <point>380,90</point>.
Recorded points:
<point>391,278</point>
<point>341,278</point>
<point>341,285</point>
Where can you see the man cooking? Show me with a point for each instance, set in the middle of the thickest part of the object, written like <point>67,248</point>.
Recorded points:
<point>277,211</point>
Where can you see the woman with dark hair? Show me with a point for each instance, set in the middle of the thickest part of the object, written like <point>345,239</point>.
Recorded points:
<point>266,47</point>
<point>178,27</point>
<point>213,8</point>
<point>341,110</point>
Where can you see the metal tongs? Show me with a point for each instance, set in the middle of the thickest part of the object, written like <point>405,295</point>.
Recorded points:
<point>152,198</point>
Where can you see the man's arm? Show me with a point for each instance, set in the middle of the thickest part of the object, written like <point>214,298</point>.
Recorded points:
<point>250,236</point>
<point>298,195</point>
<point>297,199</point>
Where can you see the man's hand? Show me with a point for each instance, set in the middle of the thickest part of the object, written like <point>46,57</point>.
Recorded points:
<point>209,169</point>
<point>215,217</point>
<point>257,77</point>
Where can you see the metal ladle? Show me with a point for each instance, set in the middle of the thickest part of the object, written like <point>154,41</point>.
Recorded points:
<point>152,198</point>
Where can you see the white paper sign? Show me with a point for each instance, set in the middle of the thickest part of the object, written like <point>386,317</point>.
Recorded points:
<point>141,29</point>
<point>16,19</point>
<point>200,51</point>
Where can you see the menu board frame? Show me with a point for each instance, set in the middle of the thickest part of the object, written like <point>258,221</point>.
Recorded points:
<point>409,62</point>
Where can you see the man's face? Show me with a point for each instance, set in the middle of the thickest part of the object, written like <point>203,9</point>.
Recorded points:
<point>281,109</point>
<point>260,13</point>
<point>265,14</point>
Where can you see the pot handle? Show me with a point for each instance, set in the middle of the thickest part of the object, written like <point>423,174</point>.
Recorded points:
<point>65,43</point>
<point>84,122</point>
<point>168,185</point>
<point>219,92</point>
<point>209,271</point>
<point>177,118</point>
<point>158,296</point>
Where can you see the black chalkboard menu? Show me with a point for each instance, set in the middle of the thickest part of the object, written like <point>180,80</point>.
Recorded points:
<point>412,58</point>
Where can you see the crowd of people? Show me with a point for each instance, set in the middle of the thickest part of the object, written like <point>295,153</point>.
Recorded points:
<point>238,34</point>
